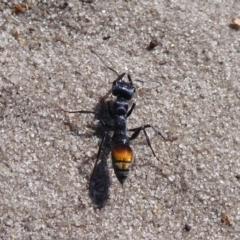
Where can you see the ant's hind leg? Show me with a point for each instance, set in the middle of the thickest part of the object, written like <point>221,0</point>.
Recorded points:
<point>136,132</point>
<point>139,129</point>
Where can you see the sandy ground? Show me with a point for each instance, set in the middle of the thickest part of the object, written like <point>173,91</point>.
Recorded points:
<point>190,89</point>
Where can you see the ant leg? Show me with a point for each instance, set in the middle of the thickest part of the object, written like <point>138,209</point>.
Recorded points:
<point>130,80</point>
<point>128,114</point>
<point>119,78</point>
<point>98,154</point>
<point>130,111</point>
<point>90,112</point>
<point>103,98</point>
<point>136,133</point>
<point>139,129</point>
<point>110,110</point>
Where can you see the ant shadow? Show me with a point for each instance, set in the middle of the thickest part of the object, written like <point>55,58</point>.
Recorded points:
<point>99,179</point>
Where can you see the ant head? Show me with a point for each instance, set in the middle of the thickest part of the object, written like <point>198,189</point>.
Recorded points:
<point>123,89</point>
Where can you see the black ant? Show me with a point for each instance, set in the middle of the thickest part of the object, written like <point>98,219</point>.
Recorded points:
<point>121,152</point>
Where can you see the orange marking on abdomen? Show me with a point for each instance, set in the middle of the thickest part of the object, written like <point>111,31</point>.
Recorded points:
<point>122,153</point>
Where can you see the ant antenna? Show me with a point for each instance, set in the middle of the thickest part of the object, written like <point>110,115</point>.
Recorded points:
<point>137,80</point>
<point>104,62</point>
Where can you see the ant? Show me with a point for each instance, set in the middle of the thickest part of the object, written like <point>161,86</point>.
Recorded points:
<point>122,153</point>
